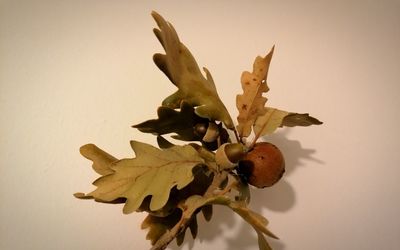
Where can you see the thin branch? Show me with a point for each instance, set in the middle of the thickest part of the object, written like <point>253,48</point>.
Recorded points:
<point>170,235</point>
<point>238,138</point>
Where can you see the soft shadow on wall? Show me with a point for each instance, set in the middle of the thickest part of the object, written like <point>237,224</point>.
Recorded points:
<point>280,198</point>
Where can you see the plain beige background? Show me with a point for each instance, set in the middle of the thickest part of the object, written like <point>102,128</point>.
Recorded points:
<point>73,72</point>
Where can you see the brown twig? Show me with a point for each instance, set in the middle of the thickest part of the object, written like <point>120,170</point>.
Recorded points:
<point>171,234</point>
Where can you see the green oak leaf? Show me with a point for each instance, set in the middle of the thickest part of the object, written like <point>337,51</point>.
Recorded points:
<point>274,118</point>
<point>268,122</point>
<point>179,65</point>
<point>153,172</point>
<point>295,119</point>
<point>164,143</point>
<point>169,120</point>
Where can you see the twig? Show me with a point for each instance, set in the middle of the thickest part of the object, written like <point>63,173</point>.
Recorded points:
<point>170,235</point>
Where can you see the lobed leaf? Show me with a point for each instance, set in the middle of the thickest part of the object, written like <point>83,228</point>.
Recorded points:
<point>153,172</point>
<point>269,122</point>
<point>172,121</point>
<point>262,242</point>
<point>195,203</point>
<point>101,160</point>
<point>203,178</point>
<point>252,109</point>
<point>162,230</point>
<point>275,118</point>
<point>179,65</point>
<point>207,211</point>
<point>158,226</point>
<point>257,221</point>
<point>295,119</point>
<point>251,103</point>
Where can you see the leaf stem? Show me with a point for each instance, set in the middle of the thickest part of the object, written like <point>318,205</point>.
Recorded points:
<point>238,139</point>
<point>255,140</point>
<point>259,133</point>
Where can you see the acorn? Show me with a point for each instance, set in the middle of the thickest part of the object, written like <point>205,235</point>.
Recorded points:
<point>229,154</point>
<point>263,165</point>
<point>211,134</point>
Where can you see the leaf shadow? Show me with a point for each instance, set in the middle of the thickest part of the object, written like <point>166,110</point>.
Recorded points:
<point>279,198</point>
<point>247,239</point>
<point>282,197</point>
<point>292,150</point>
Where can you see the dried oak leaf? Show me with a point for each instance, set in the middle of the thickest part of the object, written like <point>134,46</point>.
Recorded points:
<point>257,221</point>
<point>153,172</point>
<point>203,178</point>
<point>158,223</point>
<point>269,122</point>
<point>251,103</point>
<point>101,160</point>
<point>158,226</point>
<point>274,118</point>
<point>179,65</point>
<point>191,207</point>
<point>170,120</point>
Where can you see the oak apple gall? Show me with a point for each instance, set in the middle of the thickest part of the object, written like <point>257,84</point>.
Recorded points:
<point>262,166</point>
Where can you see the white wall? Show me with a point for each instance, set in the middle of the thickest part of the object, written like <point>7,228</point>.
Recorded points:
<point>73,72</point>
